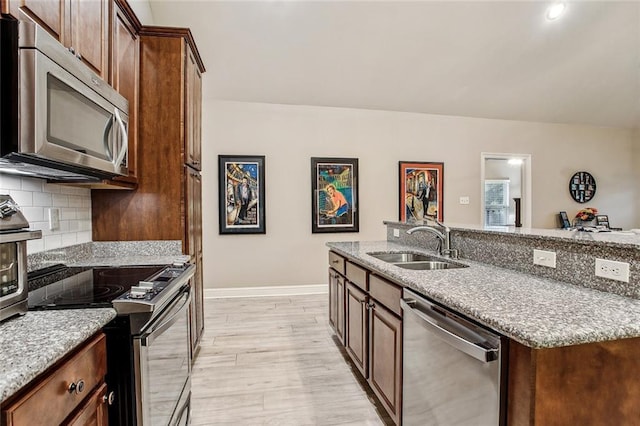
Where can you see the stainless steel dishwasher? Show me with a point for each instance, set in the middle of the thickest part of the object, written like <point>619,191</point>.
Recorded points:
<point>452,368</point>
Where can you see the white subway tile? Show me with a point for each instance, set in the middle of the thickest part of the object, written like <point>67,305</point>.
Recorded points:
<point>65,226</point>
<point>72,226</point>
<point>23,198</point>
<point>75,201</point>
<point>32,184</point>
<point>42,199</point>
<point>33,214</point>
<point>35,246</point>
<point>83,214</point>
<point>52,242</point>
<point>74,190</point>
<point>42,226</point>
<point>60,200</point>
<point>84,225</point>
<point>69,239</point>
<point>67,213</point>
<point>52,188</point>
<point>9,182</point>
<point>84,237</point>
<point>86,202</point>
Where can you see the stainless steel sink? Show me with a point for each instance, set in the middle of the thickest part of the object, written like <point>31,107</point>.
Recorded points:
<point>429,265</point>
<point>416,261</point>
<point>401,257</point>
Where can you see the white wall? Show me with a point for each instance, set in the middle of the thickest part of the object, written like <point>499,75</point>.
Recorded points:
<point>289,136</point>
<point>36,196</point>
<point>636,156</point>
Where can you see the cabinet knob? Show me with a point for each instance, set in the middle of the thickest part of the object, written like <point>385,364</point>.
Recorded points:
<point>72,50</point>
<point>76,388</point>
<point>109,399</point>
<point>371,305</point>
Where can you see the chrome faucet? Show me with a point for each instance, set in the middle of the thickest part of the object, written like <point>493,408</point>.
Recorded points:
<point>444,238</point>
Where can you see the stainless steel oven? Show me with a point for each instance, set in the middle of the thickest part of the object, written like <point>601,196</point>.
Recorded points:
<point>163,366</point>
<point>148,346</point>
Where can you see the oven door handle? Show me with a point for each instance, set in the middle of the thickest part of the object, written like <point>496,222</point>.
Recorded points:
<point>147,338</point>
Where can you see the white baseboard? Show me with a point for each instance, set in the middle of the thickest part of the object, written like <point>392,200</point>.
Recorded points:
<point>284,290</point>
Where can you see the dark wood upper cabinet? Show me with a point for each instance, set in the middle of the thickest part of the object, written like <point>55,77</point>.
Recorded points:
<point>80,25</point>
<point>158,209</point>
<point>125,69</point>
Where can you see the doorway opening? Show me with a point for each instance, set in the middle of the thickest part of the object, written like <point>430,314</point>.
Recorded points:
<point>505,180</point>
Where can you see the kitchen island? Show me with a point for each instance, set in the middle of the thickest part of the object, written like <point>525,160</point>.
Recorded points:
<point>574,349</point>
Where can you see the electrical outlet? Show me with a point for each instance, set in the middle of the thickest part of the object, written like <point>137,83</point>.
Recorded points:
<point>544,258</point>
<point>464,200</point>
<point>396,233</point>
<point>612,270</point>
<point>54,219</point>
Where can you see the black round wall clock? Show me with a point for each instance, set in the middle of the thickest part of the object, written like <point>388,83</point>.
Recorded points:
<point>582,187</point>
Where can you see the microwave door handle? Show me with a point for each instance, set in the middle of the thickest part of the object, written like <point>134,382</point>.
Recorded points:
<point>125,139</point>
<point>106,139</point>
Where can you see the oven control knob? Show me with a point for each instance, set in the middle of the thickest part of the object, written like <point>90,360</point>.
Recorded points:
<point>178,264</point>
<point>137,292</point>
<point>149,285</point>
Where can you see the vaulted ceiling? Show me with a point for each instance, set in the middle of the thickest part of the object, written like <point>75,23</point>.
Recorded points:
<point>467,58</point>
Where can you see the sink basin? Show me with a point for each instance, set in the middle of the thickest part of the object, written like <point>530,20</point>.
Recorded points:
<point>401,257</point>
<point>416,261</point>
<point>429,265</point>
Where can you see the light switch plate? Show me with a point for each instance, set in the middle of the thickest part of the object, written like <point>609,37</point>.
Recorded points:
<point>544,258</point>
<point>396,233</point>
<point>612,270</point>
<point>464,200</point>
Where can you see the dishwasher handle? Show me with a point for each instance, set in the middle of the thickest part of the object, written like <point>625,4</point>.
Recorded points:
<point>470,348</point>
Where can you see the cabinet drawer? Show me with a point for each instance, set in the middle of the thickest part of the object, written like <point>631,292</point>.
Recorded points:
<point>337,262</point>
<point>51,394</point>
<point>358,276</point>
<point>386,293</point>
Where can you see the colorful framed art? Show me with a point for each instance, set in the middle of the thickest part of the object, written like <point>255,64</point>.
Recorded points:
<point>421,191</point>
<point>334,195</point>
<point>241,194</point>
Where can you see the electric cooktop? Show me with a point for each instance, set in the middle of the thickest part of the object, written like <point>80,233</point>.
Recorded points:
<point>60,287</point>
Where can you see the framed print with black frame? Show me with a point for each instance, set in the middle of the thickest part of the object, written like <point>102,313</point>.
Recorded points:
<point>421,191</point>
<point>241,192</point>
<point>334,195</point>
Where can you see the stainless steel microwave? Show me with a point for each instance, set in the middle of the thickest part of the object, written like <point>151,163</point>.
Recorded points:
<point>71,124</point>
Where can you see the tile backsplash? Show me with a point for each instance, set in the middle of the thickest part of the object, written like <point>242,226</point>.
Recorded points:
<point>35,197</point>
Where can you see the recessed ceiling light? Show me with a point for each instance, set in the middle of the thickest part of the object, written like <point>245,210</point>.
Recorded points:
<point>555,10</point>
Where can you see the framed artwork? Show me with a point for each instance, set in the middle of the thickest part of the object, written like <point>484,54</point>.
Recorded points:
<point>421,191</point>
<point>334,193</point>
<point>241,194</point>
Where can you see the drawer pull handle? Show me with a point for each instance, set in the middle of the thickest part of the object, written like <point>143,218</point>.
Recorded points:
<point>335,261</point>
<point>108,399</point>
<point>78,388</point>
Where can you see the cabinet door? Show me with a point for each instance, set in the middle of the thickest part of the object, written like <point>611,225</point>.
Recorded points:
<point>357,330</point>
<point>336,304</point>
<point>193,90</point>
<point>93,411</point>
<point>125,62</point>
<point>48,13</point>
<point>88,26</point>
<point>193,240</point>
<point>385,362</point>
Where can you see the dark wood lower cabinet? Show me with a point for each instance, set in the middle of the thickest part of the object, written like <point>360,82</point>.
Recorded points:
<point>385,361</point>
<point>357,324</point>
<point>94,411</point>
<point>336,303</point>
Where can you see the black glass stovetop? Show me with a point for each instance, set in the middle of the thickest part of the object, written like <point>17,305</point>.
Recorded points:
<point>60,287</point>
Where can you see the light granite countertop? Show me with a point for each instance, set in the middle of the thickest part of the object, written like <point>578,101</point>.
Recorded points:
<point>129,260</point>
<point>537,312</point>
<point>32,343</point>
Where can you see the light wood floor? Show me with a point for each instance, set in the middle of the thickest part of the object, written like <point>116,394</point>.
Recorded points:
<point>273,361</point>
